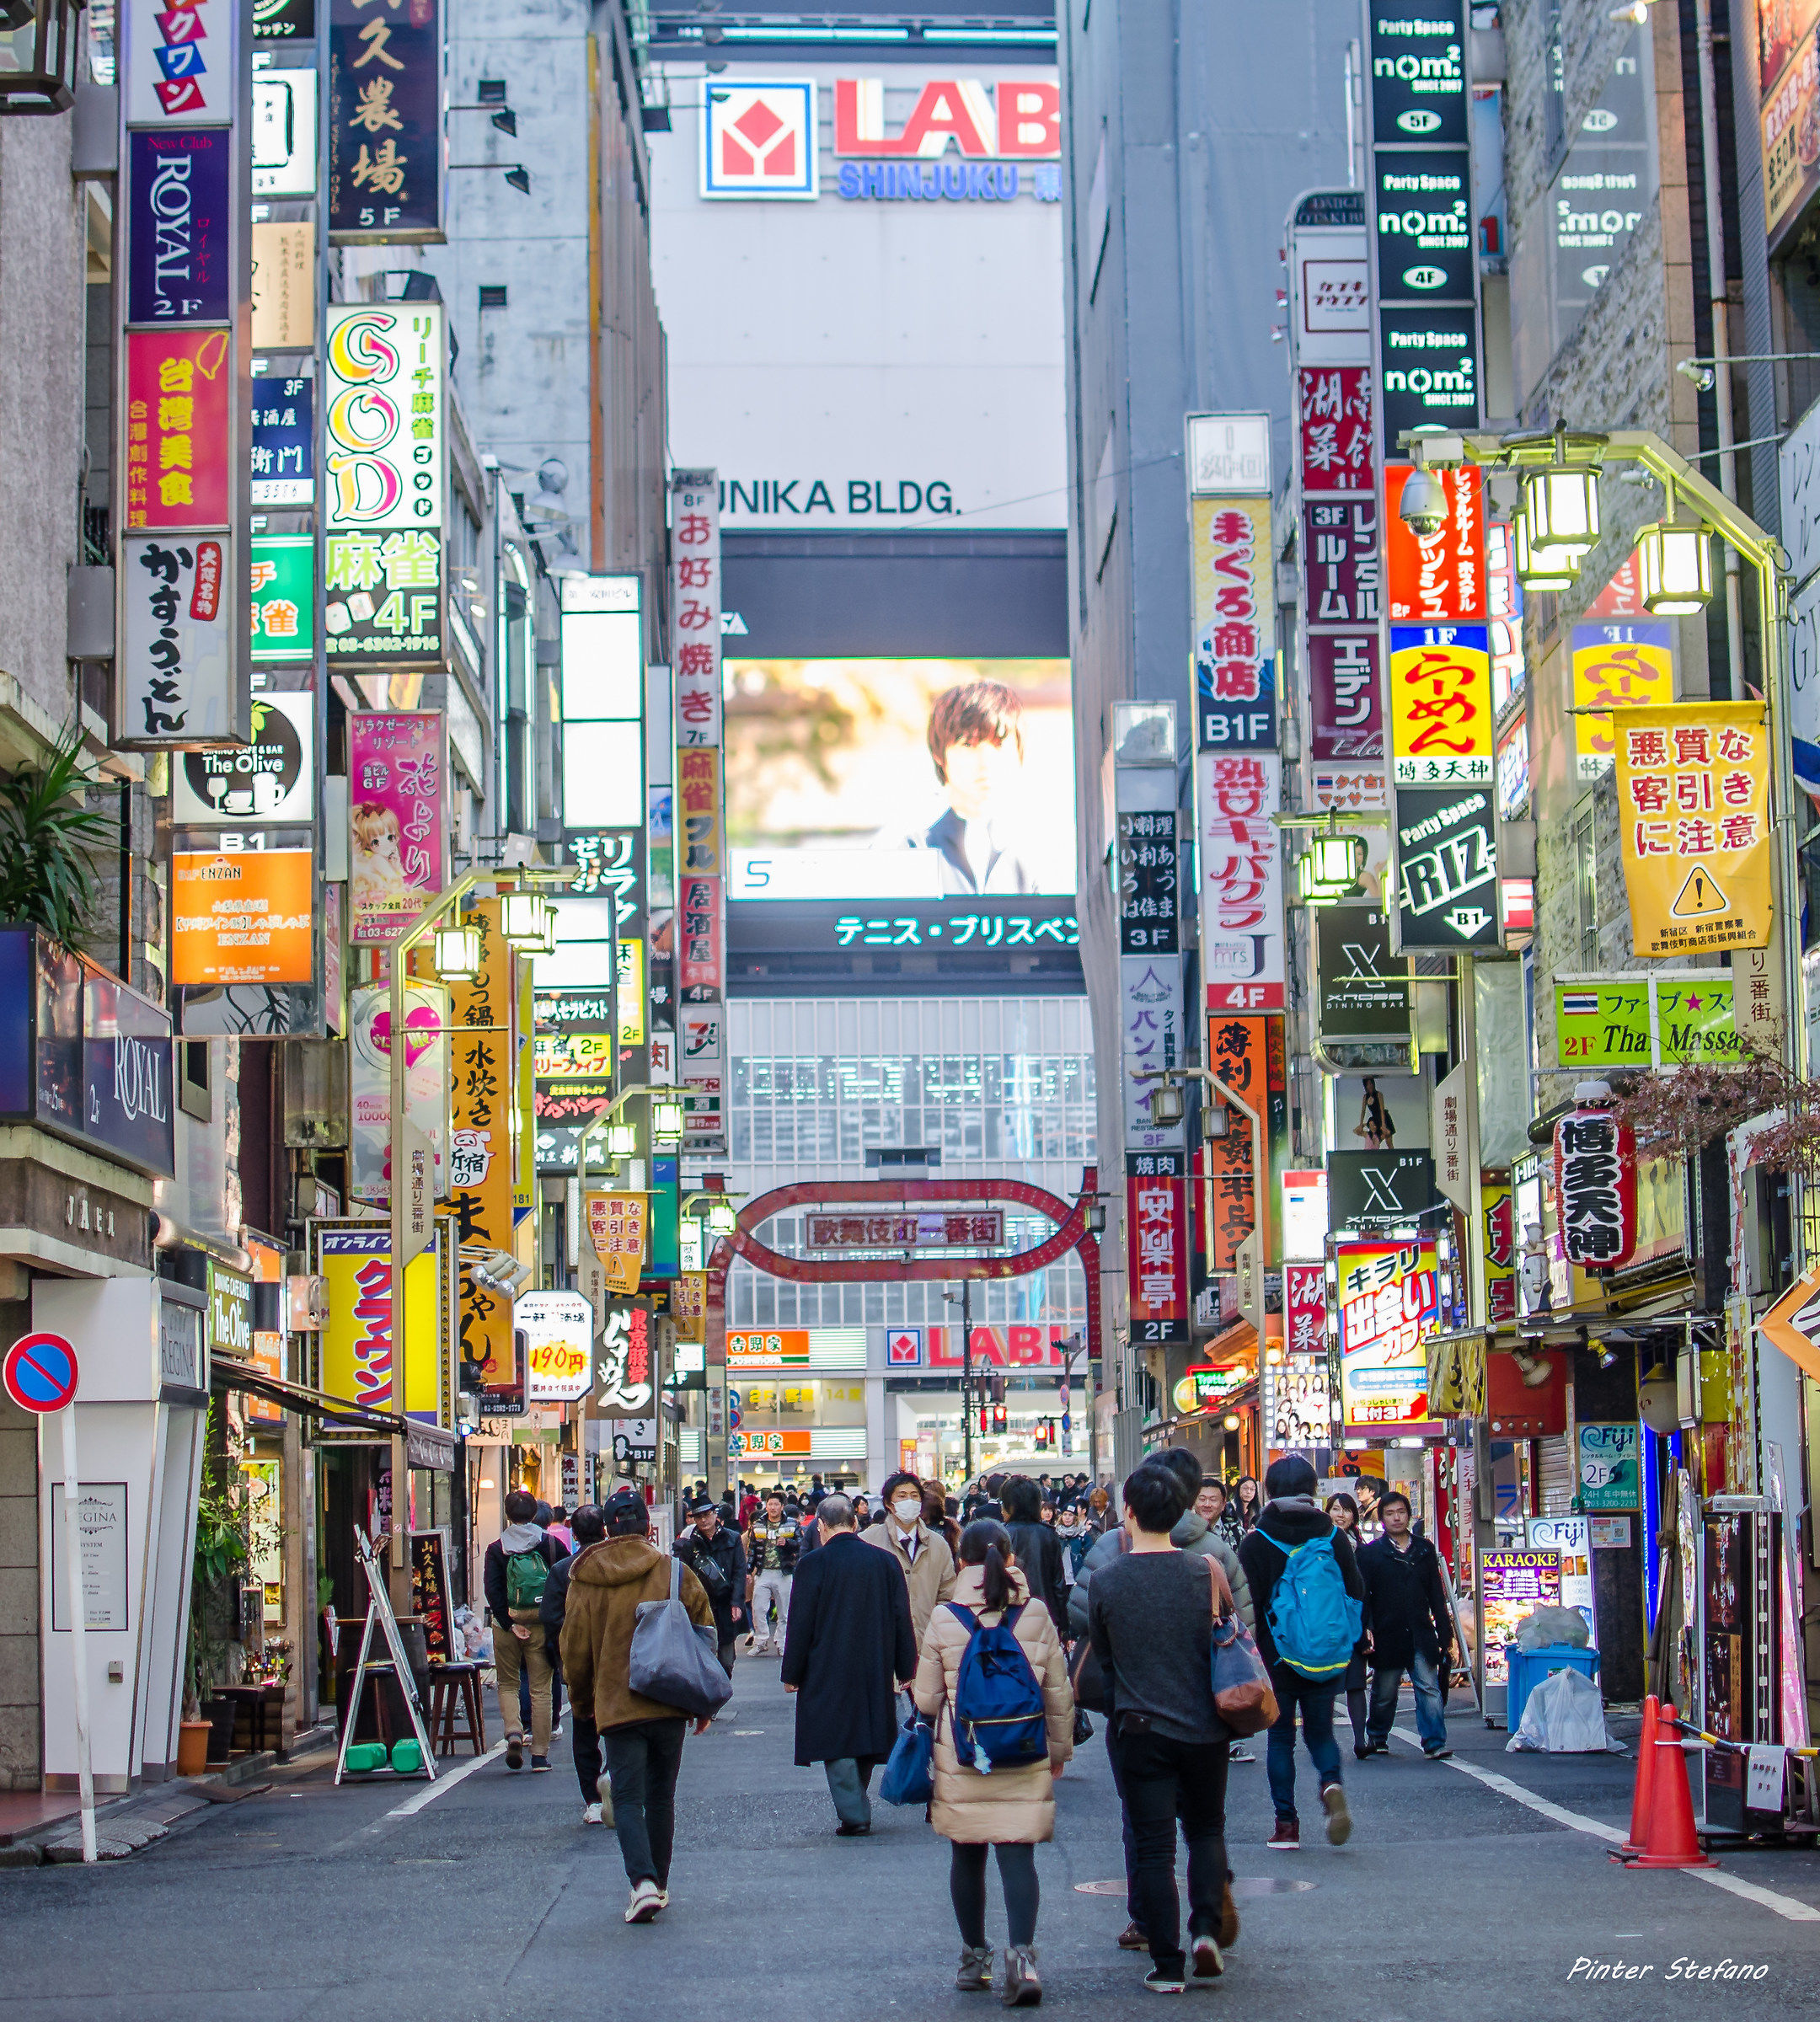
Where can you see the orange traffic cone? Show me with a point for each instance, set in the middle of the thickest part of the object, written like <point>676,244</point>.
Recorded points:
<point>1672,1842</point>
<point>1644,1786</point>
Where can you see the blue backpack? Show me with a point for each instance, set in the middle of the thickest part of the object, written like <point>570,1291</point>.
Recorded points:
<point>998,1714</point>
<point>1314,1621</point>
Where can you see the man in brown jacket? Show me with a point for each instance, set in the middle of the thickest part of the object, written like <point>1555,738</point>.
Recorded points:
<point>644,1740</point>
<point>929,1566</point>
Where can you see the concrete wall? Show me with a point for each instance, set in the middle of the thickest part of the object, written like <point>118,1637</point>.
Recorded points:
<point>43,337</point>
<point>21,1711</point>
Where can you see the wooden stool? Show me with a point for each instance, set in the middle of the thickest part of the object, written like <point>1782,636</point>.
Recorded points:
<point>455,1689</point>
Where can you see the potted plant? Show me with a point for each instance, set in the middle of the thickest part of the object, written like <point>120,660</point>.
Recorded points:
<point>48,839</point>
<point>221,1549</point>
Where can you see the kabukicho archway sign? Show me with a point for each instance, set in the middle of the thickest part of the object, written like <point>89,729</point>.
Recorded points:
<point>1071,1231</point>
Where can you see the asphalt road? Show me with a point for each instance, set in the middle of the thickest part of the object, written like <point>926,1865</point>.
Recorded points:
<point>493,1901</point>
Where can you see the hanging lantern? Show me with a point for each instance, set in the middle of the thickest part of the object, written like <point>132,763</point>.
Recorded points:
<point>40,49</point>
<point>1595,1189</point>
<point>528,921</point>
<point>667,1119</point>
<point>1554,570</point>
<point>1560,504</point>
<point>1339,861</point>
<point>457,953</point>
<point>1674,566</point>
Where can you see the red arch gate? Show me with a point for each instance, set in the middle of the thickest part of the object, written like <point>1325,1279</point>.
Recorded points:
<point>1071,1232</point>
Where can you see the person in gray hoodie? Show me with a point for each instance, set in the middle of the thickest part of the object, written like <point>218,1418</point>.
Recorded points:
<point>514,1573</point>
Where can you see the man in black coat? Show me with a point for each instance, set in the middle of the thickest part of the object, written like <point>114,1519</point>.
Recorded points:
<point>1410,1628</point>
<point>1038,1548</point>
<point>850,1647</point>
<point>712,1551</point>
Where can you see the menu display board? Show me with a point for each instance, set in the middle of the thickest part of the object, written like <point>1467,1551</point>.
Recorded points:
<point>1511,1585</point>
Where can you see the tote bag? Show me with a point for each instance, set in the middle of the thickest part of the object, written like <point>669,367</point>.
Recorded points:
<point>673,1661</point>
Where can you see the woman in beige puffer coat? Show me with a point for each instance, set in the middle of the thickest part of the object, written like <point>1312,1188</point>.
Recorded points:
<point>1012,1809</point>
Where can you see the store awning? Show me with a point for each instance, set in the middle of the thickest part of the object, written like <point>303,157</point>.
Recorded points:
<point>425,1445</point>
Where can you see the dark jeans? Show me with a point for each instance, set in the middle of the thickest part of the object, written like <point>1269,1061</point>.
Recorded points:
<point>643,1759</point>
<point>1166,1780</point>
<point>1017,1877</point>
<point>587,1758</point>
<point>1355,1706</point>
<point>1316,1702</point>
<point>1114,1756</point>
<point>1425,1675</point>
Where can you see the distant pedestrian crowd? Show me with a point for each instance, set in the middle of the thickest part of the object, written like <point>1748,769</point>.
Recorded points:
<point>963,1643</point>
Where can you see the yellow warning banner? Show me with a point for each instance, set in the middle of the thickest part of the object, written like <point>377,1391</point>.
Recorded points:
<point>1693,821</point>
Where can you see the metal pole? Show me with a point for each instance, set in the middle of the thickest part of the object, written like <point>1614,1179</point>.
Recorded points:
<point>1719,301</point>
<point>77,1602</point>
<point>398,1570</point>
<point>967,1379</point>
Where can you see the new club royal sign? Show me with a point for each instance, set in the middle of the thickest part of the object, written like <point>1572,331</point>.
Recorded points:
<point>1595,1189</point>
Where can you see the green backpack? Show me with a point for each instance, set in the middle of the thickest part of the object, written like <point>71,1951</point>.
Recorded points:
<point>527,1575</point>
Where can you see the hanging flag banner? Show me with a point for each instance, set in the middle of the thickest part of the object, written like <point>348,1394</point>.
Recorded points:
<point>1156,1230</point>
<point>397,852</point>
<point>1234,615</point>
<point>1241,880</point>
<point>1440,718</point>
<point>1596,1188</point>
<point>617,1225</point>
<point>1693,824</point>
<point>1616,666</point>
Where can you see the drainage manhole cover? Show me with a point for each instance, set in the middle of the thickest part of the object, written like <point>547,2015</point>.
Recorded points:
<point>1242,1885</point>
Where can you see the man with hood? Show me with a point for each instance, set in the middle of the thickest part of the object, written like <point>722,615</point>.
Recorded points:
<point>643,1738</point>
<point>1292,1518</point>
<point>514,1573</point>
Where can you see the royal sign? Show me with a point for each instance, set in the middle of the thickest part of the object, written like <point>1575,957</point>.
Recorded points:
<point>1595,1189</point>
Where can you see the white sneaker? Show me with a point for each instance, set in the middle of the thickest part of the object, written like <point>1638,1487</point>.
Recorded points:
<point>663,1899</point>
<point>603,1784</point>
<point>590,1814</point>
<point>647,1899</point>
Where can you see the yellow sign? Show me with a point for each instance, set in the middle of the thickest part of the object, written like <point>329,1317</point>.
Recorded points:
<point>483,1098</point>
<point>1622,663</point>
<point>524,1116</point>
<point>354,1262</point>
<point>632,994</point>
<point>688,1306</point>
<point>616,1225</point>
<point>1693,821</point>
<point>1441,713</point>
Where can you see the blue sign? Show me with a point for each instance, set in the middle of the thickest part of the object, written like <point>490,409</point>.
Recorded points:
<point>952,182</point>
<point>284,439</point>
<point>177,220</point>
<point>40,1373</point>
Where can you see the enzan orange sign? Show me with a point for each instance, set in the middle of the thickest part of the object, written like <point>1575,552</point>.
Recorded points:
<point>242,917</point>
<point>1693,821</point>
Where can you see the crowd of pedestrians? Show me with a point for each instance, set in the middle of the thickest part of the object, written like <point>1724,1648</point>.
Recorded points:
<point>974,1637</point>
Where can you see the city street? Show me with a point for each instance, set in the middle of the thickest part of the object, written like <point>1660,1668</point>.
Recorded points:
<point>493,1899</point>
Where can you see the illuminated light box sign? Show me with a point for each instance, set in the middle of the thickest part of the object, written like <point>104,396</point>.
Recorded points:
<point>1039,926</point>
<point>1388,1304</point>
<point>973,1228</point>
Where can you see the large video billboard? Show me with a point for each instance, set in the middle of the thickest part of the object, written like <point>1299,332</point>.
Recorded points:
<point>936,780</point>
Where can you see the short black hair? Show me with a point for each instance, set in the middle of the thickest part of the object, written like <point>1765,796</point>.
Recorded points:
<point>589,1526</point>
<point>1021,1500</point>
<point>894,1481</point>
<point>1392,1495</point>
<point>1153,1496</point>
<point>1185,1464</point>
<point>625,1515</point>
<point>1291,1475</point>
<point>521,1506</point>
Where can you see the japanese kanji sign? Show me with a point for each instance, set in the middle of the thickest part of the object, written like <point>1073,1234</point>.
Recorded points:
<point>970,1229</point>
<point>1305,1309</point>
<point>1495,1205</point>
<point>1441,720</point>
<point>616,1226</point>
<point>385,122</point>
<point>482,1096</point>
<point>1149,881</point>
<point>1339,564</point>
<point>1336,424</point>
<point>697,806</point>
<point>1345,711</point>
<point>1241,880</point>
<point>397,781</point>
<point>1234,613</point>
<point>284,442</point>
<point>1152,1040</point>
<point>701,937</point>
<point>695,585</point>
<point>179,446</point>
<point>175,659</point>
<point>1435,578</point>
<point>1595,1189</point>
<point>1156,1233</point>
<point>283,581</point>
<point>1388,1301</point>
<point>1247,1054</point>
<point>1617,665</point>
<point>1694,825</point>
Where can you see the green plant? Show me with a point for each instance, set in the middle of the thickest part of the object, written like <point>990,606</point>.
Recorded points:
<point>221,1548</point>
<point>47,840</point>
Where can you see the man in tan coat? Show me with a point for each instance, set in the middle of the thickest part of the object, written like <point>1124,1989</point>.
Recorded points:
<point>929,1566</point>
<point>644,1740</point>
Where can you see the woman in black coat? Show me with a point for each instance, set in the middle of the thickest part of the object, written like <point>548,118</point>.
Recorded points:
<point>1345,1514</point>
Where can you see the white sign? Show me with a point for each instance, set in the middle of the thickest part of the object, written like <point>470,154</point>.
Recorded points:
<point>284,132</point>
<point>1763,1778</point>
<point>1229,454</point>
<point>1154,1038</point>
<point>1573,1537</point>
<point>758,138</point>
<point>559,1331</point>
<point>179,65</point>
<point>101,1513</point>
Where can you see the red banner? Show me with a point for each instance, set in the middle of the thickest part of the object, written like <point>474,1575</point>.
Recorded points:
<point>1336,427</point>
<point>1156,1230</point>
<point>1440,576</point>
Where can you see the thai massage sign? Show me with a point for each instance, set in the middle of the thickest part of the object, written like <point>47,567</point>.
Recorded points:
<point>1694,823</point>
<point>1595,1189</point>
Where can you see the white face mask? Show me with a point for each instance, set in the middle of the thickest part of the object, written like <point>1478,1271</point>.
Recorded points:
<point>907,1512</point>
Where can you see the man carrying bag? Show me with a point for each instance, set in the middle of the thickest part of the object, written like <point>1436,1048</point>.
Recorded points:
<point>621,1625</point>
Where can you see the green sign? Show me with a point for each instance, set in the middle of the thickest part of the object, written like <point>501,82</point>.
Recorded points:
<point>230,1311</point>
<point>1607,1025</point>
<point>1610,1473</point>
<point>284,596</point>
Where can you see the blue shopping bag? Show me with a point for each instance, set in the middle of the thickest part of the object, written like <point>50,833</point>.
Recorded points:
<point>909,1777</point>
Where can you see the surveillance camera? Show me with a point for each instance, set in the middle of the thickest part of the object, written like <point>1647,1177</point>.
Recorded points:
<point>1424,507</point>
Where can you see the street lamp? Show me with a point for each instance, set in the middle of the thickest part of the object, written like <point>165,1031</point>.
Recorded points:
<point>40,49</point>
<point>528,921</point>
<point>457,953</point>
<point>1556,571</point>
<point>622,1140</point>
<point>1560,505</point>
<point>1674,564</point>
<point>1168,1106</point>
<point>667,1119</point>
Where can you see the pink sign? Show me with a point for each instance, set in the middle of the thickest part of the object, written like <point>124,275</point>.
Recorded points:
<point>397,851</point>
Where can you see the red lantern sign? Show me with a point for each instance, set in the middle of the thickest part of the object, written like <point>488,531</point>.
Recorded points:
<point>1595,1189</point>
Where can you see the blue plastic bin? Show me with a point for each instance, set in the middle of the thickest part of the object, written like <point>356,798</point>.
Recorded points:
<point>1527,1668</point>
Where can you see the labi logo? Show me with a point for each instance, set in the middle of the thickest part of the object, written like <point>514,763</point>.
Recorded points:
<point>1418,120</point>
<point>1423,277</point>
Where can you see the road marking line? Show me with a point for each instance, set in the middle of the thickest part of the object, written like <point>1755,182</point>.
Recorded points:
<point>1789,1907</point>
<point>446,1782</point>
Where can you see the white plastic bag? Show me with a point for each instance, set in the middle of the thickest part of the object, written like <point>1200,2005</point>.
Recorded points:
<point>1564,1715</point>
<point>1548,1628</point>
